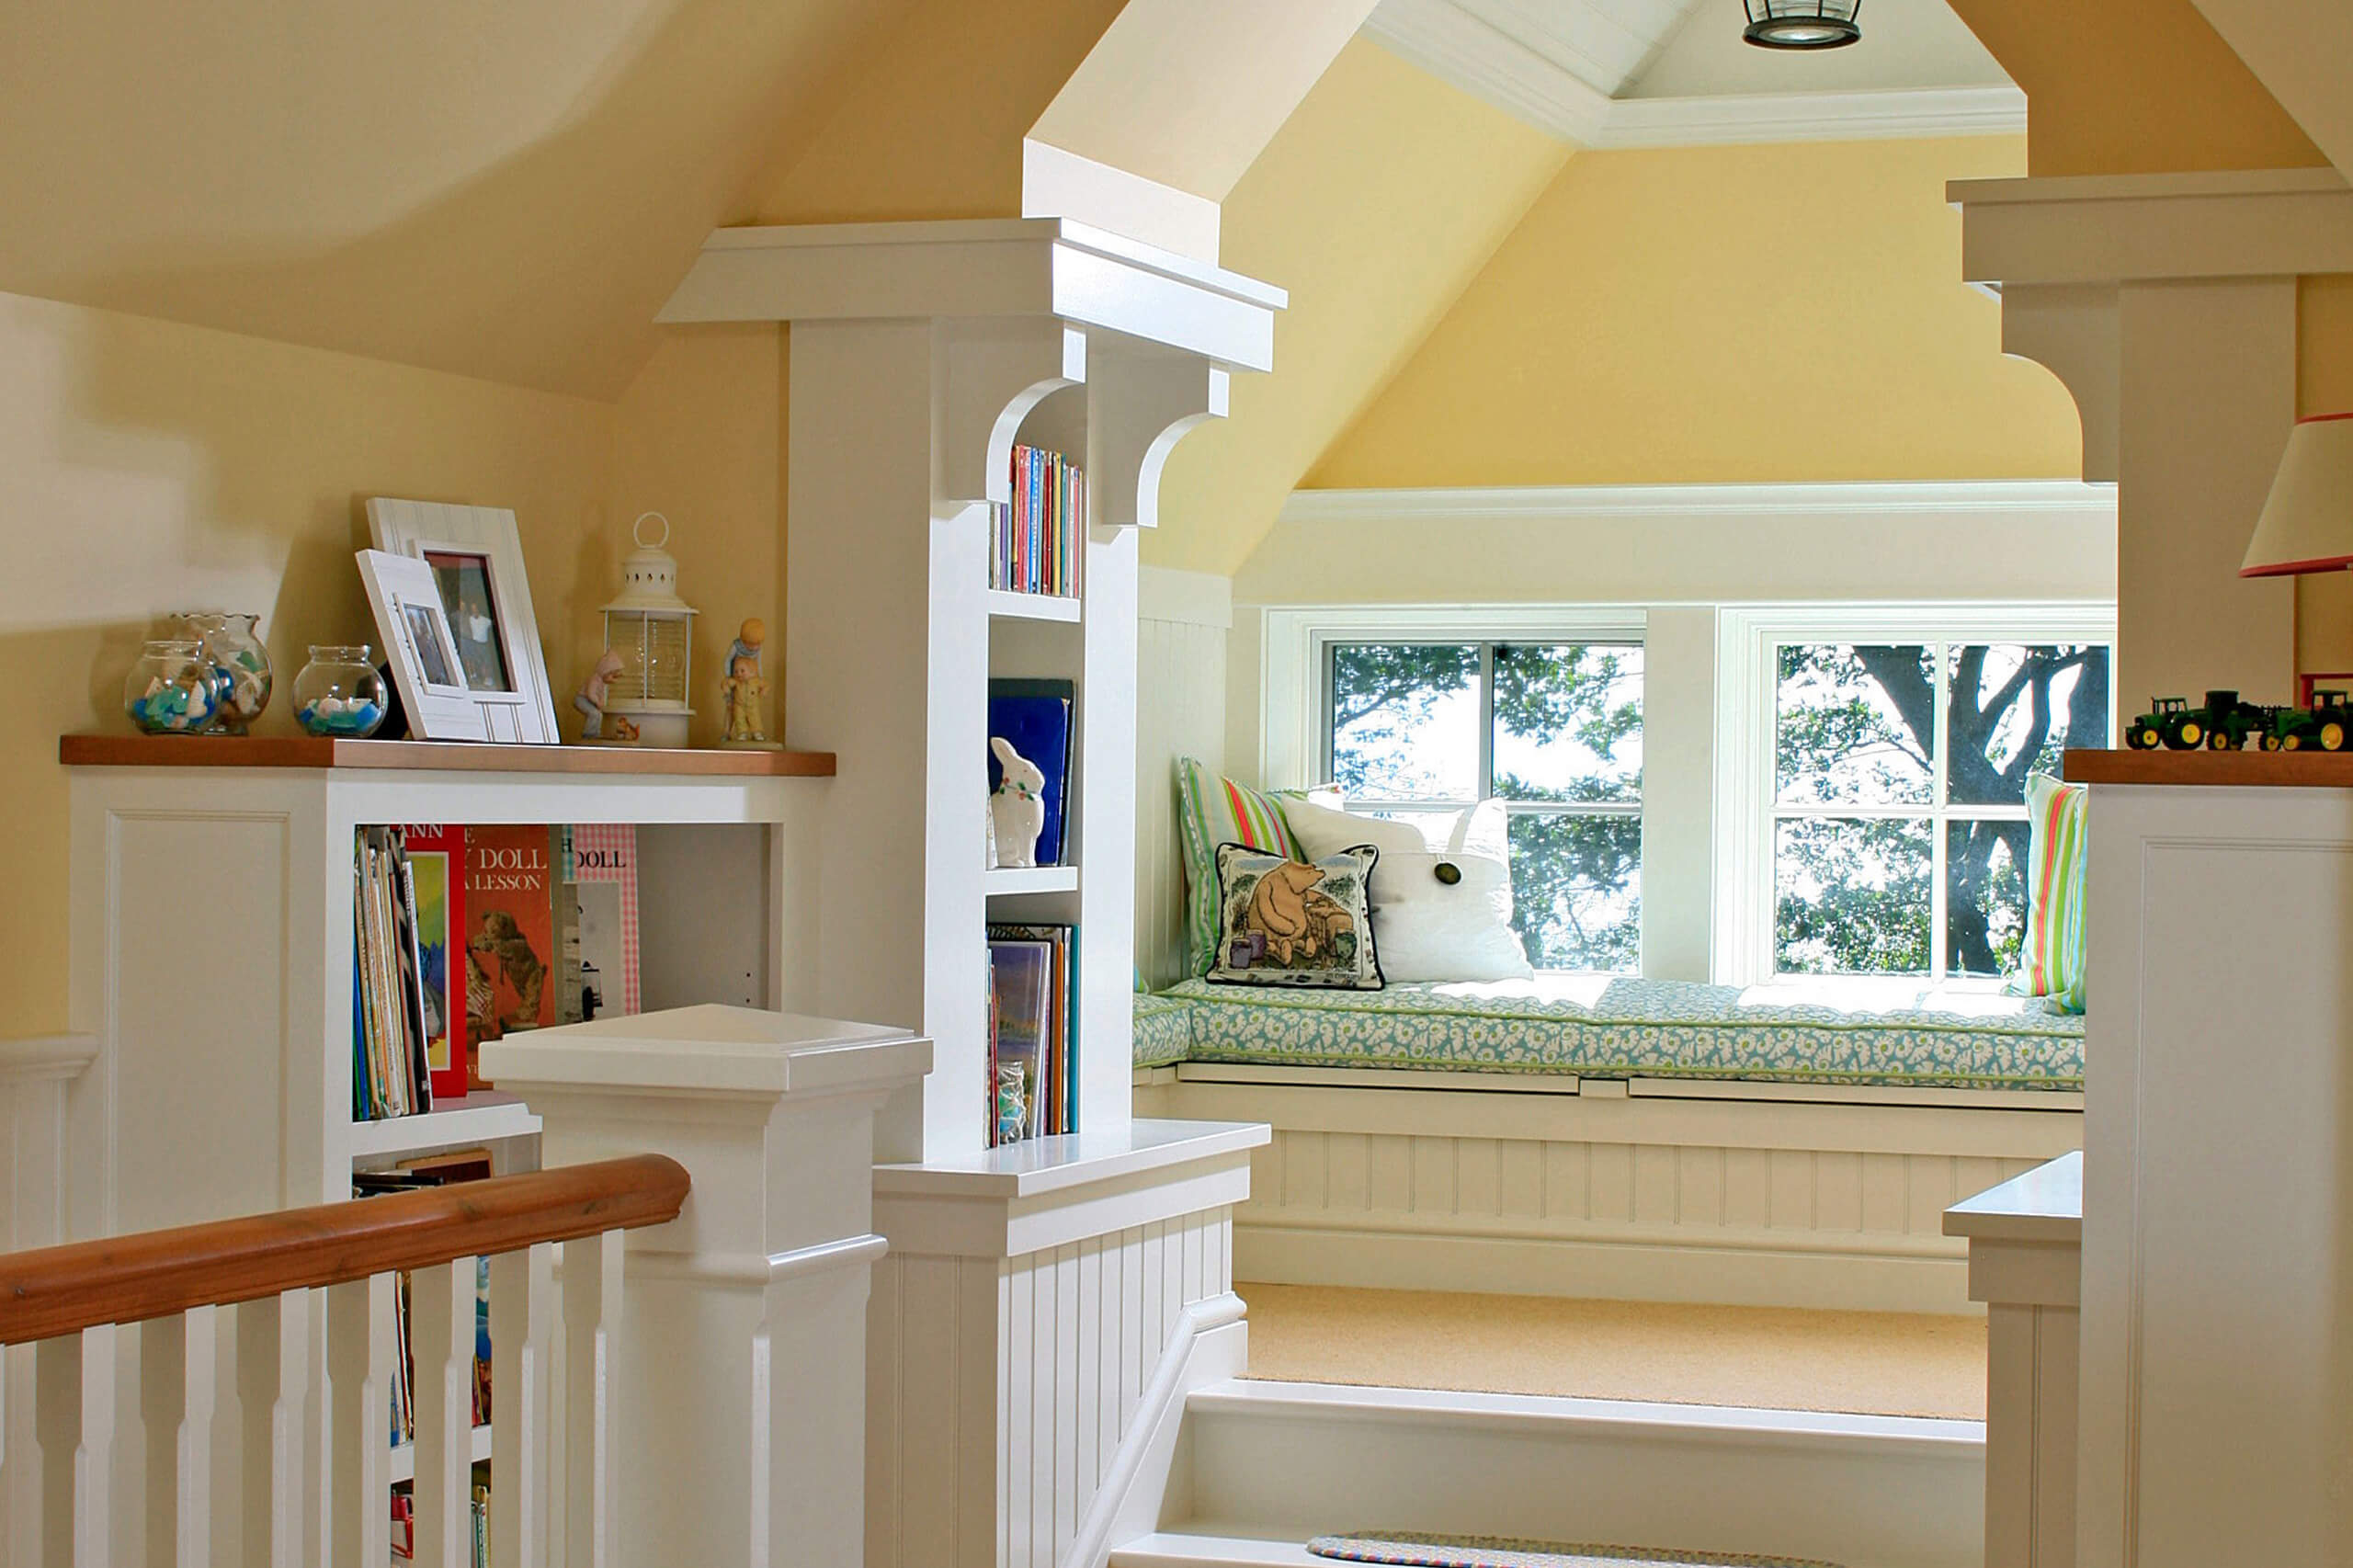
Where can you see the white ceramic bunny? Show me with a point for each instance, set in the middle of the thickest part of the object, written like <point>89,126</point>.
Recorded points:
<point>1018,807</point>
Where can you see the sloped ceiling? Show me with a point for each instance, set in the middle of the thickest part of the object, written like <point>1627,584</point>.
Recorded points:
<point>1375,204</point>
<point>2134,86</point>
<point>506,191</point>
<point>2302,51</point>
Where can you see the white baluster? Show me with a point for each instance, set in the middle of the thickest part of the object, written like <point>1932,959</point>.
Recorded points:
<point>441,1328</point>
<point>273,1389</point>
<point>592,1314</point>
<point>47,1491</point>
<point>359,1407</point>
<point>94,1455</point>
<point>522,1300</point>
<point>177,1367</point>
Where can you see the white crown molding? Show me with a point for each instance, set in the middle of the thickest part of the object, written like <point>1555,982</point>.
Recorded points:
<point>1454,46</point>
<point>1457,47</point>
<point>1651,502</point>
<point>1878,115</point>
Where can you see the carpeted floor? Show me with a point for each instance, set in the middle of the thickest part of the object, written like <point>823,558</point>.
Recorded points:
<point>1877,1363</point>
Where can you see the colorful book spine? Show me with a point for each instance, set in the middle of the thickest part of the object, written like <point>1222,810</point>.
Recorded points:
<point>1035,546</point>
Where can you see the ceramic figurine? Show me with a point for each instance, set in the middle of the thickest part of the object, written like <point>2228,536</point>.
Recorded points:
<point>745,689</point>
<point>594,693</point>
<point>1018,807</point>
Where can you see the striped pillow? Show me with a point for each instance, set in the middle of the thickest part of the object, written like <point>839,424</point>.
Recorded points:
<point>2050,963</point>
<point>1217,811</point>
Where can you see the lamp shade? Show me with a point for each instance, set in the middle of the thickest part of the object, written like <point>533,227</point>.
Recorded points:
<point>2307,523</point>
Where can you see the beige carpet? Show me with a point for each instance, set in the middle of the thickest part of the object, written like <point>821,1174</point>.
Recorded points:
<point>1880,1363</point>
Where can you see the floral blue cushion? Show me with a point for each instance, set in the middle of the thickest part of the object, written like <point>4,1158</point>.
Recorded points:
<point>1599,1026</point>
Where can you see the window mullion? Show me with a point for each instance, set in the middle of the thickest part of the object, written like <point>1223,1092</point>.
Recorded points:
<point>1940,757</point>
<point>1486,720</point>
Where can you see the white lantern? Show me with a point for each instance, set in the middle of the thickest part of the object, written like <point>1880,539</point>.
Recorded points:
<point>653,630</point>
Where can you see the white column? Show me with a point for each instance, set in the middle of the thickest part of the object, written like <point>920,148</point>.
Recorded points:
<point>741,1369</point>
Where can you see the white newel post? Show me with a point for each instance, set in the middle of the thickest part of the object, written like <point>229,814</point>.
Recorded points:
<point>737,1400</point>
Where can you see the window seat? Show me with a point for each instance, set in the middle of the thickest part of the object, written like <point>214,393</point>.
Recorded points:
<point>1593,1026</point>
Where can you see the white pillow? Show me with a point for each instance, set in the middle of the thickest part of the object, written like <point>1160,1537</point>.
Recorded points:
<point>1430,929</point>
<point>1324,832</point>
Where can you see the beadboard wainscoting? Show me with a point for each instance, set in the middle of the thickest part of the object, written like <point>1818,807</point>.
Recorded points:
<point>1027,1333</point>
<point>1182,618</point>
<point>1599,1192</point>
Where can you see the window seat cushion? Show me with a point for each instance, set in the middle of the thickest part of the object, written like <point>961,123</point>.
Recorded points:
<point>1597,1027</point>
<point>1164,1030</point>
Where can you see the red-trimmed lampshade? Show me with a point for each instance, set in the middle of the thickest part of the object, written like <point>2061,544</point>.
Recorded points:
<point>2307,524</point>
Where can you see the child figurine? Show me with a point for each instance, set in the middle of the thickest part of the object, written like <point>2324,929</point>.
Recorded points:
<point>745,689</point>
<point>594,693</point>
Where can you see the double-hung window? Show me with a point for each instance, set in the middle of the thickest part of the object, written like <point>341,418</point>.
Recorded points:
<point>1422,729</point>
<point>1885,809</point>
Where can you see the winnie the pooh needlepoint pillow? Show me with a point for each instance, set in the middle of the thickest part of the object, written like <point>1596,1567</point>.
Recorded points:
<point>1295,922</point>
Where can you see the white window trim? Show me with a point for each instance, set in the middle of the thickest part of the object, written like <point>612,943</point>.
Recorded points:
<point>1298,641</point>
<point>1746,636</point>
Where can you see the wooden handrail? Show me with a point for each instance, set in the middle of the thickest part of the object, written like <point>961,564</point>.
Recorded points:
<point>154,1274</point>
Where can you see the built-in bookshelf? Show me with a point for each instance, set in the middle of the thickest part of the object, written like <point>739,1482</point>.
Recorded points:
<point>229,863</point>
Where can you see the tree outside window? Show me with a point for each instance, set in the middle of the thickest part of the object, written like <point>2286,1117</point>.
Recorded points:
<point>1899,802</point>
<point>1422,730</point>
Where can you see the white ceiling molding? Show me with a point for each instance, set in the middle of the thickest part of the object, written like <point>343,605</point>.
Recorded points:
<point>1878,115</point>
<point>1916,498</point>
<point>1451,42</point>
<point>1457,47</point>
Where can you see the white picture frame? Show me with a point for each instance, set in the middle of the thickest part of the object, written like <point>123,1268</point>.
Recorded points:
<point>421,649</point>
<point>476,559</point>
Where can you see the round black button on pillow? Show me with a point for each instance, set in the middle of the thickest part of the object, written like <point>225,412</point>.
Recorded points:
<point>1447,872</point>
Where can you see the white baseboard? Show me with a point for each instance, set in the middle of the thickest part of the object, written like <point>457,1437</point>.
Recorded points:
<point>1742,1276</point>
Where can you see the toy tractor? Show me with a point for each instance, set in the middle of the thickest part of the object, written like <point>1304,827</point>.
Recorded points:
<point>2327,725</point>
<point>2223,724</point>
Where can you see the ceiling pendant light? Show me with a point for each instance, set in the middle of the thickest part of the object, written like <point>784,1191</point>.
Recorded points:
<point>1803,24</point>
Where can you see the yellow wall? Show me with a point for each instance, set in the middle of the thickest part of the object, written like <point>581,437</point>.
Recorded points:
<point>147,467</point>
<point>1376,202</point>
<point>1724,314</point>
<point>2134,86</point>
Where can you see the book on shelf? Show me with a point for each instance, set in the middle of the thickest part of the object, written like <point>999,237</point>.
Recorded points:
<point>389,1074</point>
<point>442,1169</point>
<point>512,982</point>
<point>436,856</point>
<point>1036,546</point>
<point>1033,717</point>
<point>1033,1054</point>
<point>596,919</point>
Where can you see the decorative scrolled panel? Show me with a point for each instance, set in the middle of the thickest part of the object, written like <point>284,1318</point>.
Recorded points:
<point>1140,406</point>
<point>991,373</point>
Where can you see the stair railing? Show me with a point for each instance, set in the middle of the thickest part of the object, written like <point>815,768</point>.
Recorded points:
<point>291,1464</point>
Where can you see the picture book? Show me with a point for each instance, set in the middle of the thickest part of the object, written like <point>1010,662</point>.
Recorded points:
<point>1057,1080</point>
<point>1021,972</point>
<point>1034,718</point>
<point>599,865</point>
<point>437,859</point>
<point>510,937</point>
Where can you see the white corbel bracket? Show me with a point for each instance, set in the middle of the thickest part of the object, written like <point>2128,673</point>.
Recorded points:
<point>1141,408</point>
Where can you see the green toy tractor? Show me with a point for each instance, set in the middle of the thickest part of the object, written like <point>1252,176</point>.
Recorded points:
<point>2327,725</point>
<point>2223,724</point>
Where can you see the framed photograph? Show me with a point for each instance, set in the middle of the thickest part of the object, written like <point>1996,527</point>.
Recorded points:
<point>427,664</point>
<point>475,559</point>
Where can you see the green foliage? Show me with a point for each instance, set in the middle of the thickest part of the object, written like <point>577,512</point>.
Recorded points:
<point>1859,724</point>
<point>1576,879</point>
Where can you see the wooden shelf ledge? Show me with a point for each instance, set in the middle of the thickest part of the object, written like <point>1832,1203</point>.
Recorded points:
<point>2277,769</point>
<point>442,756</point>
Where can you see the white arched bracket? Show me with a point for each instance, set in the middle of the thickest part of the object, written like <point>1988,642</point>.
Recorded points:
<point>991,373</point>
<point>2075,332</point>
<point>1138,407</point>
